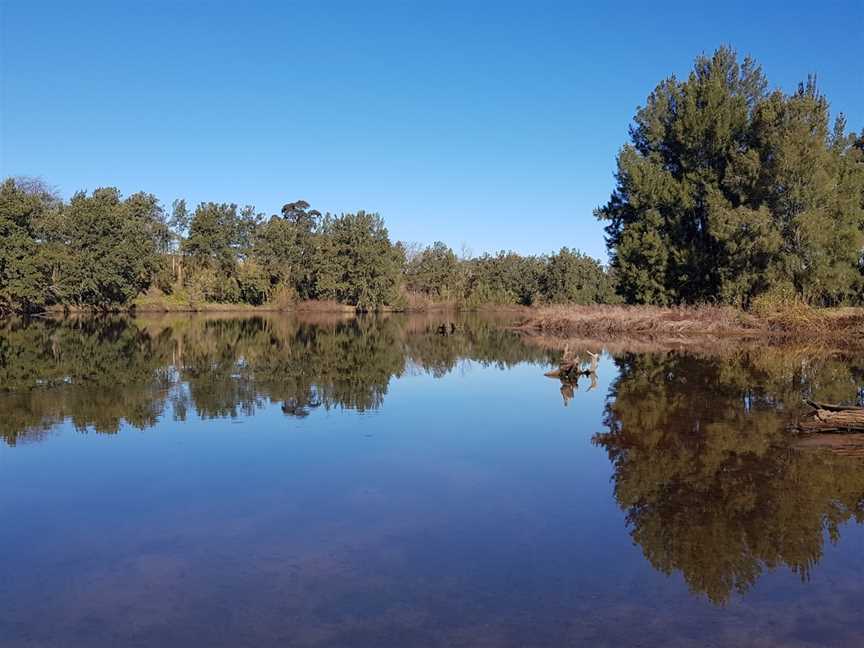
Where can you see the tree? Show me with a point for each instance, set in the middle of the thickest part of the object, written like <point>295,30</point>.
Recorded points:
<point>573,277</point>
<point>110,248</point>
<point>24,276</point>
<point>180,218</point>
<point>278,251</point>
<point>102,250</point>
<point>211,239</point>
<point>726,192</point>
<point>505,278</point>
<point>355,262</point>
<point>434,271</point>
<point>221,237</point>
<point>813,191</point>
<point>305,223</point>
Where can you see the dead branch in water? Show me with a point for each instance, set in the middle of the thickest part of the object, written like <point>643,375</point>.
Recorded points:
<point>571,366</point>
<point>569,386</point>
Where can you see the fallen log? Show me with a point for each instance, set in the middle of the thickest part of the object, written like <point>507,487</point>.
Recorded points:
<point>833,418</point>
<point>831,407</point>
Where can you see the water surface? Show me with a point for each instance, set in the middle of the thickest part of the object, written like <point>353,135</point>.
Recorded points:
<point>215,481</point>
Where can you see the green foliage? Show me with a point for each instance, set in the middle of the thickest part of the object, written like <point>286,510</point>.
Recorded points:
<point>254,284</point>
<point>305,224</point>
<point>574,278</point>
<point>435,272</point>
<point>216,236</point>
<point>565,277</point>
<point>277,251</point>
<point>110,248</point>
<point>504,278</point>
<point>23,272</point>
<point>726,191</point>
<point>220,242</point>
<point>355,261</point>
<point>180,218</point>
<point>101,251</point>
<point>208,285</point>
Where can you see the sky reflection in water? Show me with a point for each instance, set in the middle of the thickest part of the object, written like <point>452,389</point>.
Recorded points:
<point>275,481</point>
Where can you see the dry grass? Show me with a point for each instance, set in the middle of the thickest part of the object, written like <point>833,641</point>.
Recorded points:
<point>650,320</point>
<point>179,302</point>
<point>322,306</point>
<point>791,322</point>
<point>420,303</point>
<point>708,345</point>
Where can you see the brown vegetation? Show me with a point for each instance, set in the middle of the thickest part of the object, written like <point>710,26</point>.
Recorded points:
<point>795,322</point>
<point>156,302</point>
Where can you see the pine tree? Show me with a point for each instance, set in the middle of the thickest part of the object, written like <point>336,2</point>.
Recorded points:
<point>727,191</point>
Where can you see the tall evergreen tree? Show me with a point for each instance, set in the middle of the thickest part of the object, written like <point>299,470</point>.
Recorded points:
<point>726,192</point>
<point>304,223</point>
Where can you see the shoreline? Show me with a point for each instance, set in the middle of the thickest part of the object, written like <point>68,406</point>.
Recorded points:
<point>699,325</point>
<point>670,327</point>
<point>162,307</point>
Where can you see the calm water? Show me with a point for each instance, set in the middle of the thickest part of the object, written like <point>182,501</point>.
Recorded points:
<point>254,482</point>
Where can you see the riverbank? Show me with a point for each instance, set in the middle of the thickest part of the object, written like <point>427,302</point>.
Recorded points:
<point>181,304</point>
<point>672,327</point>
<point>842,326</point>
<point>156,303</point>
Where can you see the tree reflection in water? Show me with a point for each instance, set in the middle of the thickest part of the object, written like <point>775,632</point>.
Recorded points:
<point>102,373</point>
<point>713,485</point>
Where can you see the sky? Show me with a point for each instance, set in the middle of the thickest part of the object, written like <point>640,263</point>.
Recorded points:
<point>486,125</point>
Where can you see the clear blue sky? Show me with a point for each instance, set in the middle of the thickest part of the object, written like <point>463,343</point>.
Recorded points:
<point>490,124</point>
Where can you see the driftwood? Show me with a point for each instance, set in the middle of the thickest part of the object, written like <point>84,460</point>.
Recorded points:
<point>446,329</point>
<point>570,385</point>
<point>571,366</point>
<point>570,370</point>
<point>833,418</point>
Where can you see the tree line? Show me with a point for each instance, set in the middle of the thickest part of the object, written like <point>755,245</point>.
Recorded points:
<point>102,250</point>
<point>726,193</point>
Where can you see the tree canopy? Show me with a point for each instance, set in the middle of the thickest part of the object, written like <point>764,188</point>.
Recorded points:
<point>727,191</point>
<point>23,267</point>
<point>102,251</point>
